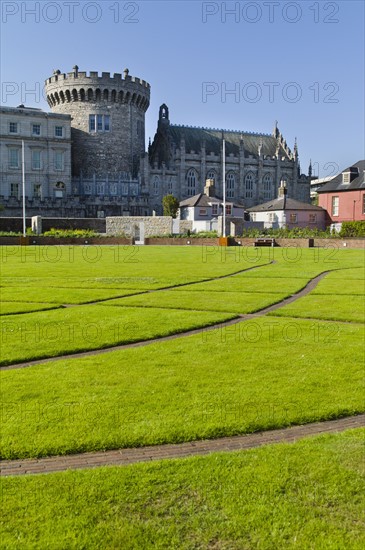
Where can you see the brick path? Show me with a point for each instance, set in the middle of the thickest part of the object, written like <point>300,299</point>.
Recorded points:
<point>238,319</point>
<point>123,457</point>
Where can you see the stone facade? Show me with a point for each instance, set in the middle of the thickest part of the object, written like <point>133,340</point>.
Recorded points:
<point>181,158</point>
<point>47,156</point>
<point>134,226</point>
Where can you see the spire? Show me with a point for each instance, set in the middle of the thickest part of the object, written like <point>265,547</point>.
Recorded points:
<point>295,149</point>
<point>275,132</point>
<point>310,169</point>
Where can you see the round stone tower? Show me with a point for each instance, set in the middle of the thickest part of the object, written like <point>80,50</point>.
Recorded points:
<point>108,120</point>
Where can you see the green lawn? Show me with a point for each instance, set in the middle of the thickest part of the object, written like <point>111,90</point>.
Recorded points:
<point>7,308</point>
<point>304,495</point>
<point>63,331</point>
<point>262,374</point>
<point>235,302</point>
<point>53,295</point>
<point>340,307</point>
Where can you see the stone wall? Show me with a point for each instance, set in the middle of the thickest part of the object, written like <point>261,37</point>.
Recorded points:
<point>130,225</point>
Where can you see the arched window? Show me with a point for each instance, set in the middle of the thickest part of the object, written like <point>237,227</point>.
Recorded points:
<point>249,180</point>
<point>156,185</point>
<point>106,95</point>
<point>267,186</point>
<point>191,181</point>
<point>230,183</point>
<point>90,94</point>
<point>211,175</point>
<point>75,97</point>
<point>169,186</point>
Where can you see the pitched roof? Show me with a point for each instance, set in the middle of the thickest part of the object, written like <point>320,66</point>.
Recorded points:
<point>336,184</point>
<point>283,203</point>
<point>203,200</point>
<point>213,140</point>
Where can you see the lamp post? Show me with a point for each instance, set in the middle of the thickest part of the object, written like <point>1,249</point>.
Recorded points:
<point>23,186</point>
<point>224,187</point>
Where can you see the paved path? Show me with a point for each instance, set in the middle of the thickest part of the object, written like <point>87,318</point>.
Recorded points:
<point>123,457</point>
<point>239,319</point>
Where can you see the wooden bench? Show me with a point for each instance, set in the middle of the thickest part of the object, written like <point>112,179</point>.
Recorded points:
<point>264,242</point>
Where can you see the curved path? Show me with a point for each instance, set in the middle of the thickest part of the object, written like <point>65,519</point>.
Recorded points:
<point>123,457</point>
<point>239,319</point>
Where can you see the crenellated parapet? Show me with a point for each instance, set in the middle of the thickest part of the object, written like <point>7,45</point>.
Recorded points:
<point>79,86</point>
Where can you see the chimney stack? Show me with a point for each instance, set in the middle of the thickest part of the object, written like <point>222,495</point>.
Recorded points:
<point>209,188</point>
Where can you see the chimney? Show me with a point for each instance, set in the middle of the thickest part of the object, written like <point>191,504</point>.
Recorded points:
<point>282,189</point>
<point>209,188</point>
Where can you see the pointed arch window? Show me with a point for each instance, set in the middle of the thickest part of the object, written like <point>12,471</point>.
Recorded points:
<point>211,175</point>
<point>249,181</point>
<point>192,181</point>
<point>230,183</point>
<point>267,186</point>
<point>156,185</point>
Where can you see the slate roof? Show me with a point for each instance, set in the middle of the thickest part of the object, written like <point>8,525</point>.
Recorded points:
<point>203,200</point>
<point>213,140</point>
<point>283,204</point>
<point>336,184</point>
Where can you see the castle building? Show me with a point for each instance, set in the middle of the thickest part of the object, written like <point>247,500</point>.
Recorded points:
<point>181,159</point>
<point>92,148</point>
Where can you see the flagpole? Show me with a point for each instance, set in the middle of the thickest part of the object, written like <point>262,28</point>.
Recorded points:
<point>23,182</point>
<point>224,187</point>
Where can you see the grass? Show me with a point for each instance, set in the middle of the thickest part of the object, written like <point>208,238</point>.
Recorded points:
<point>263,374</point>
<point>64,331</point>
<point>309,494</point>
<point>44,294</point>
<point>332,307</point>
<point>8,308</point>
<point>234,302</point>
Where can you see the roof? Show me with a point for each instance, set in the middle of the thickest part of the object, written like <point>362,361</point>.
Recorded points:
<point>213,140</point>
<point>283,204</point>
<point>336,184</point>
<point>203,200</point>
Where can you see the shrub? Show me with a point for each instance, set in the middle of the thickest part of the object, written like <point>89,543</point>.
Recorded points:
<point>78,233</point>
<point>352,229</point>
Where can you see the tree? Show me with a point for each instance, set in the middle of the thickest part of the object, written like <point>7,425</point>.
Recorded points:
<point>170,205</point>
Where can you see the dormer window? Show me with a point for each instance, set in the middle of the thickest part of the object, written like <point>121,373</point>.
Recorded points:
<point>346,177</point>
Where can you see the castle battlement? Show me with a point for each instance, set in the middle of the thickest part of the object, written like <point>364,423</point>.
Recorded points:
<point>80,86</point>
<point>93,77</point>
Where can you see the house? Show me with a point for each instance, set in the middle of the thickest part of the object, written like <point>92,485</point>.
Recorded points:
<point>203,209</point>
<point>286,212</point>
<point>344,196</point>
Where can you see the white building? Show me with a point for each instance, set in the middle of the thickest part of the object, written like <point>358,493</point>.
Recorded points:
<point>47,148</point>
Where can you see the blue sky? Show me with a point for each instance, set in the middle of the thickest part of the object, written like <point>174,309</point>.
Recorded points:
<point>300,63</point>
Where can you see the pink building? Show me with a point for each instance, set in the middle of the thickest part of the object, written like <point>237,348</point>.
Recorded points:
<point>344,196</point>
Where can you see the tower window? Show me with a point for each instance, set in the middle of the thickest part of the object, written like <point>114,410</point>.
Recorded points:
<point>99,123</point>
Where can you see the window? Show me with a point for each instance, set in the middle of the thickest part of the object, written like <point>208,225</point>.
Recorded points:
<point>36,160</point>
<point>215,209</point>
<point>14,190</point>
<point>212,176</point>
<point>37,190</point>
<point>13,158</point>
<point>58,131</point>
<point>59,160</point>
<point>113,188</point>
<point>100,189</point>
<point>271,217</point>
<point>346,177</point>
<point>230,181</point>
<point>249,186</point>
<point>335,204</point>
<point>293,218</point>
<point>87,188</point>
<point>312,218</point>
<point>267,181</point>
<point>36,129</point>
<point>203,212</point>
<point>228,209</point>
<point>99,123</point>
<point>191,179</point>
<point>156,185</point>
<point>169,187</point>
<point>13,127</point>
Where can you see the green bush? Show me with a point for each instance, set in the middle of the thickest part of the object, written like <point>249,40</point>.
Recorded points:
<point>78,233</point>
<point>352,229</point>
<point>285,233</point>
